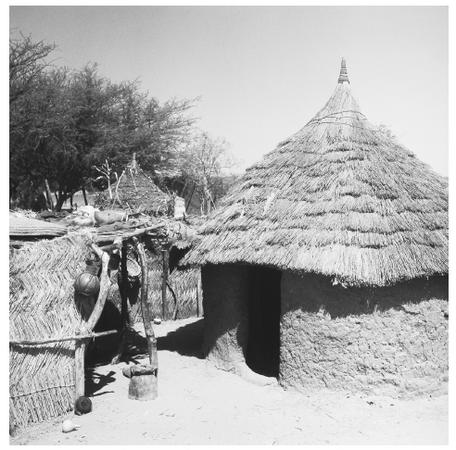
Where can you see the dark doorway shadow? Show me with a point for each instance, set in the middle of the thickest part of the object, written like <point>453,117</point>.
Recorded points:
<point>263,347</point>
<point>186,340</point>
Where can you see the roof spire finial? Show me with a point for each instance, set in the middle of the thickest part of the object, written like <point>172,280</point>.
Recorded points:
<point>343,76</point>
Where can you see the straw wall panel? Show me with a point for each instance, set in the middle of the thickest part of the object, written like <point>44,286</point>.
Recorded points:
<point>42,306</point>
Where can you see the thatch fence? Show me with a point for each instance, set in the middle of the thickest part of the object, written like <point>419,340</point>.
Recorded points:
<point>46,347</point>
<point>183,296</point>
<point>42,306</point>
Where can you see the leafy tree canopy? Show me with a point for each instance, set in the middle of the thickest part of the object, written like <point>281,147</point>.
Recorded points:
<point>63,122</point>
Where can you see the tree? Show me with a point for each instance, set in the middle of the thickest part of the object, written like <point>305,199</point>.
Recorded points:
<point>64,122</point>
<point>27,61</point>
<point>202,162</point>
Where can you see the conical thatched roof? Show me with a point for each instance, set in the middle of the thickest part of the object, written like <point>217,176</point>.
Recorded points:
<point>341,198</point>
<point>136,191</point>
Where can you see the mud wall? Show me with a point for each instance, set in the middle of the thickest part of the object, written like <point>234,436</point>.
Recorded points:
<point>386,341</point>
<point>225,300</point>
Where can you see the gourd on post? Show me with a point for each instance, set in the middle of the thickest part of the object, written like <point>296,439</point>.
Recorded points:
<point>89,323</point>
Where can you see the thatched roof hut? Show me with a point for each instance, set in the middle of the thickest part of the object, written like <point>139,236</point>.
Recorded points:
<point>326,257</point>
<point>136,191</point>
<point>340,198</point>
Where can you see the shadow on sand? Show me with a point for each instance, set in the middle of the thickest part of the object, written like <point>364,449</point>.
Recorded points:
<point>95,381</point>
<point>102,351</point>
<point>186,340</point>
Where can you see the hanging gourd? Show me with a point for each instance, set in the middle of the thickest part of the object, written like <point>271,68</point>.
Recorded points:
<point>133,269</point>
<point>87,283</point>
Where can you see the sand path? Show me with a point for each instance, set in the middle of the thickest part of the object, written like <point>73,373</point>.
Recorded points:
<point>199,404</point>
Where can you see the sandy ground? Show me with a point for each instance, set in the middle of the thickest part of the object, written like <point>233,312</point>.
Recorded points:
<point>199,404</point>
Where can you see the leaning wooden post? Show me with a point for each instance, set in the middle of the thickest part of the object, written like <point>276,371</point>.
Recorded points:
<point>87,327</point>
<point>146,307</point>
<point>143,377</point>
<point>79,370</point>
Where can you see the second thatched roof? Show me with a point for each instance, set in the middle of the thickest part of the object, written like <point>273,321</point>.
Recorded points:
<point>341,198</point>
<point>136,191</point>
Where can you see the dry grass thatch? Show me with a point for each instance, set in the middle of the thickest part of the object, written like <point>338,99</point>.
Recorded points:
<point>26,227</point>
<point>42,306</point>
<point>137,192</point>
<point>186,286</point>
<point>341,198</point>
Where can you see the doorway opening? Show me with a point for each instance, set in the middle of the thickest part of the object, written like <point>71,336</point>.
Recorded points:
<point>263,345</point>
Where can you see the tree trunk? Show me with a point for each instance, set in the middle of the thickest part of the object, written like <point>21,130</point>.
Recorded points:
<point>109,189</point>
<point>49,195</point>
<point>84,194</point>
<point>60,201</point>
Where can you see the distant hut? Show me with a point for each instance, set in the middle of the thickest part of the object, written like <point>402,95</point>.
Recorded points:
<point>136,191</point>
<point>326,264</point>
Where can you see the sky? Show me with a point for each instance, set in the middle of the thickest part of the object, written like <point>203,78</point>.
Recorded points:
<point>263,72</point>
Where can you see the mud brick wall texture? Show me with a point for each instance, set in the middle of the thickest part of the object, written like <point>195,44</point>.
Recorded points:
<point>382,341</point>
<point>386,341</point>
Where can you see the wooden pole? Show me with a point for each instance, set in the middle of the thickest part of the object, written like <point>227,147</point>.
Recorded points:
<point>165,269</point>
<point>79,370</point>
<point>123,291</point>
<point>64,339</point>
<point>87,327</point>
<point>104,288</point>
<point>176,304</point>
<point>103,237</point>
<point>124,285</point>
<point>197,297</point>
<point>146,307</point>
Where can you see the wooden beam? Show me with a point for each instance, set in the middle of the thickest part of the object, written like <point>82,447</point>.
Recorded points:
<point>78,337</point>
